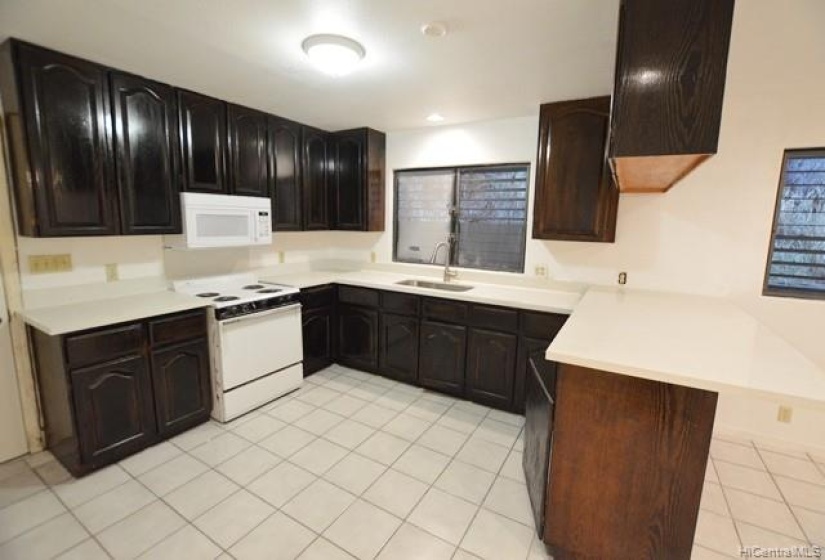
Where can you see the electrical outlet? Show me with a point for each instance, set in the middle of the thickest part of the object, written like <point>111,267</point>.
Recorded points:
<point>785,414</point>
<point>540,270</point>
<point>112,274</point>
<point>622,278</point>
<point>281,257</point>
<point>46,264</point>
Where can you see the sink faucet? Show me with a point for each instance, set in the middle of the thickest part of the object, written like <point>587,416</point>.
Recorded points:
<point>449,245</point>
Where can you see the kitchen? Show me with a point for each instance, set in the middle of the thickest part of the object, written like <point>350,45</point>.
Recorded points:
<point>408,453</point>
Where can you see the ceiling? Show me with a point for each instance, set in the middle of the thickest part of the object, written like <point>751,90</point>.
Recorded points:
<point>499,59</point>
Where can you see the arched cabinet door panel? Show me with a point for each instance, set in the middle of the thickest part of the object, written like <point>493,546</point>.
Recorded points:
<point>358,337</point>
<point>442,357</point>
<point>180,375</point>
<point>113,404</point>
<point>398,345</point>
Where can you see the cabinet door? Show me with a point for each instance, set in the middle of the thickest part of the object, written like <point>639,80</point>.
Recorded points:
<point>358,337</point>
<point>146,153</point>
<point>181,378</point>
<point>114,412</point>
<point>67,114</point>
<point>398,347</point>
<point>442,357</point>
<point>575,197</point>
<point>285,147</point>
<point>318,332</point>
<point>203,143</point>
<point>528,349</point>
<point>538,439</point>
<point>315,178</point>
<point>491,366</point>
<point>248,151</point>
<point>349,182</point>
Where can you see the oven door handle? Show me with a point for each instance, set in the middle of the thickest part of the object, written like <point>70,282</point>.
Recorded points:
<point>261,314</point>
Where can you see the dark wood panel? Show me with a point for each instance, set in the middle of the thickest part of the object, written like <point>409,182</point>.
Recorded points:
<point>671,62</point>
<point>68,186</point>
<point>495,318</point>
<point>358,296</point>
<point>445,310</point>
<point>182,386</point>
<point>442,357</point>
<point>349,195</point>
<point>105,344</point>
<point>318,296</point>
<point>376,180</point>
<point>530,355</point>
<point>575,197</point>
<point>177,328</point>
<point>286,160</point>
<point>647,446</point>
<point>203,143</point>
<point>541,325</point>
<point>538,438</point>
<point>318,331</point>
<point>404,304</point>
<point>398,347</point>
<point>114,410</point>
<point>146,155</point>
<point>248,151</point>
<point>358,337</point>
<point>315,172</point>
<point>491,366</point>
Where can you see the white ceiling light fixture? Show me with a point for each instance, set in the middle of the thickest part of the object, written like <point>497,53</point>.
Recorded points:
<point>434,29</point>
<point>435,118</point>
<point>335,55</point>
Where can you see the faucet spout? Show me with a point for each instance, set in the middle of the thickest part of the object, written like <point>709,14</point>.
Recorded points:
<point>448,274</point>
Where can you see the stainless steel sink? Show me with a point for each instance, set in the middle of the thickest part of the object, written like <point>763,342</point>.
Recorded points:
<point>435,285</point>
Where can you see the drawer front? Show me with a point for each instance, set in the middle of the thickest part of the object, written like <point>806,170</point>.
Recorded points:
<point>178,328</point>
<point>541,325</point>
<point>445,310</point>
<point>404,304</point>
<point>358,296</point>
<point>103,345</point>
<point>494,318</point>
<point>317,296</point>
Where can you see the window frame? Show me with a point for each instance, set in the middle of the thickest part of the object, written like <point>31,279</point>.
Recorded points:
<point>767,290</point>
<point>453,255</point>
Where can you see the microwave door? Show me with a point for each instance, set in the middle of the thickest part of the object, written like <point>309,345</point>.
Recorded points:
<point>219,227</point>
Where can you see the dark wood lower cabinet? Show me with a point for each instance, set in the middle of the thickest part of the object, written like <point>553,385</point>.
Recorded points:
<point>529,349</point>
<point>398,347</point>
<point>110,392</point>
<point>442,357</point>
<point>318,334</point>
<point>538,437</point>
<point>358,337</point>
<point>115,410</point>
<point>491,367</point>
<point>180,375</point>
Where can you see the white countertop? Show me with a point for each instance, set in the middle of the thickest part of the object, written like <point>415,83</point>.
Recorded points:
<point>536,299</point>
<point>695,341</point>
<point>64,319</point>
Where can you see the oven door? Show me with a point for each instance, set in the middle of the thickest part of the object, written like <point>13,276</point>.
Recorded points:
<point>256,345</point>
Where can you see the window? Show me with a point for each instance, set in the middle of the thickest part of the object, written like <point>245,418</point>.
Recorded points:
<point>796,260</point>
<point>482,209</point>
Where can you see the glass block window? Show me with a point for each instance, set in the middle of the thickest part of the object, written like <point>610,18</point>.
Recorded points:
<point>796,259</point>
<point>482,209</point>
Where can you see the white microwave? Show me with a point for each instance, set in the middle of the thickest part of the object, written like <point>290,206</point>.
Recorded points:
<point>219,220</point>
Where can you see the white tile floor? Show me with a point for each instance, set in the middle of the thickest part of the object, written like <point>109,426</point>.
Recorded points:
<point>356,466</point>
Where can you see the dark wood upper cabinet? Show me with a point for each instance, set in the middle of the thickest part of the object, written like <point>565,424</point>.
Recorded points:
<point>575,197</point>
<point>671,61</point>
<point>203,141</point>
<point>57,109</point>
<point>248,151</point>
<point>358,179</point>
<point>286,159</point>
<point>316,179</point>
<point>146,155</point>
<point>113,403</point>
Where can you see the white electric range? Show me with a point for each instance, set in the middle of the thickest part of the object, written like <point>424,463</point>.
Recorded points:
<point>255,337</point>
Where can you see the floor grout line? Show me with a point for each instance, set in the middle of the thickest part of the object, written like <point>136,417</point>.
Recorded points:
<point>785,499</point>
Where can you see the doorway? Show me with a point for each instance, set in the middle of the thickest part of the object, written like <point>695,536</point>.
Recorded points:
<point>12,432</point>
